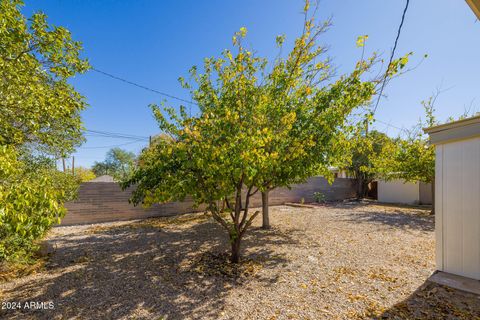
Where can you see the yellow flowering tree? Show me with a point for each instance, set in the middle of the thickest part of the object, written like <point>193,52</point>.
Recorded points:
<point>257,128</point>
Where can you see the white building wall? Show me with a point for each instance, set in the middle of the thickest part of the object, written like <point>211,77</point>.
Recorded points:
<point>458,207</point>
<point>398,191</point>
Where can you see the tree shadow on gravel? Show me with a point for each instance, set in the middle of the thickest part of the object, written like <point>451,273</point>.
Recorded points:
<point>433,301</point>
<point>142,272</point>
<point>396,218</point>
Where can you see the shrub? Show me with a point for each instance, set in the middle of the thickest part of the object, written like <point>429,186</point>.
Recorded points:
<point>84,174</point>
<point>40,115</point>
<point>319,197</point>
<point>32,192</point>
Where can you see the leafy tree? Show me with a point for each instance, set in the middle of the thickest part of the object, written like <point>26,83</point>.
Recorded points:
<point>229,151</point>
<point>102,168</point>
<point>123,162</point>
<point>411,159</point>
<point>37,105</point>
<point>297,87</point>
<point>39,121</point>
<point>118,163</point>
<point>359,147</point>
<point>286,87</point>
<point>364,150</point>
<point>84,174</point>
<point>32,192</point>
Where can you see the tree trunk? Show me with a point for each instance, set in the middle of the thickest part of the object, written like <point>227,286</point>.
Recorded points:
<point>235,258</point>
<point>265,216</point>
<point>360,188</point>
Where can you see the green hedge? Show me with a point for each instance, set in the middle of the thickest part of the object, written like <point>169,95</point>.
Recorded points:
<point>32,193</point>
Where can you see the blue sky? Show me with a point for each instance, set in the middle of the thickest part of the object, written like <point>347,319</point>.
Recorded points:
<point>154,42</point>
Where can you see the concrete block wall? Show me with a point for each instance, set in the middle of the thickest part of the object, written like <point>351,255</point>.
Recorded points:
<point>105,201</point>
<point>342,188</point>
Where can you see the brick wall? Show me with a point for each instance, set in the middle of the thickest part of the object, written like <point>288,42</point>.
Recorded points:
<point>105,201</point>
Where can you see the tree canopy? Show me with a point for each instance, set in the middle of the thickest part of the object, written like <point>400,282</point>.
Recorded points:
<point>118,163</point>
<point>412,158</point>
<point>83,174</point>
<point>257,128</point>
<point>363,153</point>
<point>39,122</point>
<point>32,192</point>
<point>37,104</point>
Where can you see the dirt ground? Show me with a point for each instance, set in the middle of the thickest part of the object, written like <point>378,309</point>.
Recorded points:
<point>335,261</point>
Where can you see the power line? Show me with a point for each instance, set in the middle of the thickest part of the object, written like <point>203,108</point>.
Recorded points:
<point>391,56</point>
<point>106,134</point>
<point>141,86</point>
<point>89,135</point>
<point>115,135</point>
<point>389,125</point>
<point>112,146</point>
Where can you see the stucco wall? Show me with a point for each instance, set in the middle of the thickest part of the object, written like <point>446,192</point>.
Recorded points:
<point>105,201</point>
<point>397,191</point>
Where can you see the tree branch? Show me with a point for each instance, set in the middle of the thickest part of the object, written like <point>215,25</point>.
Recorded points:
<point>249,222</point>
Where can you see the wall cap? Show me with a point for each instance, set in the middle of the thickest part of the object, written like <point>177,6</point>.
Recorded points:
<point>454,131</point>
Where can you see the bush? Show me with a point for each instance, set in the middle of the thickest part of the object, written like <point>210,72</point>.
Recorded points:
<point>84,174</point>
<point>319,197</point>
<point>32,192</point>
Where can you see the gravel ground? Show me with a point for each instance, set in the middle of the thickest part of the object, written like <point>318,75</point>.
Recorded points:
<point>328,262</point>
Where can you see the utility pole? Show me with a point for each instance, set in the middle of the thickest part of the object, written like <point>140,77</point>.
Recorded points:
<point>73,165</point>
<point>63,163</point>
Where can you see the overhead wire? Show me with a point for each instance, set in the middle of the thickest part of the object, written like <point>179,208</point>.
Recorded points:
<point>114,135</point>
<point>112,146</point>
<point>141,86</point>
<point>389,125</point>
<point>391,56</point>
<point>106,134</point>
